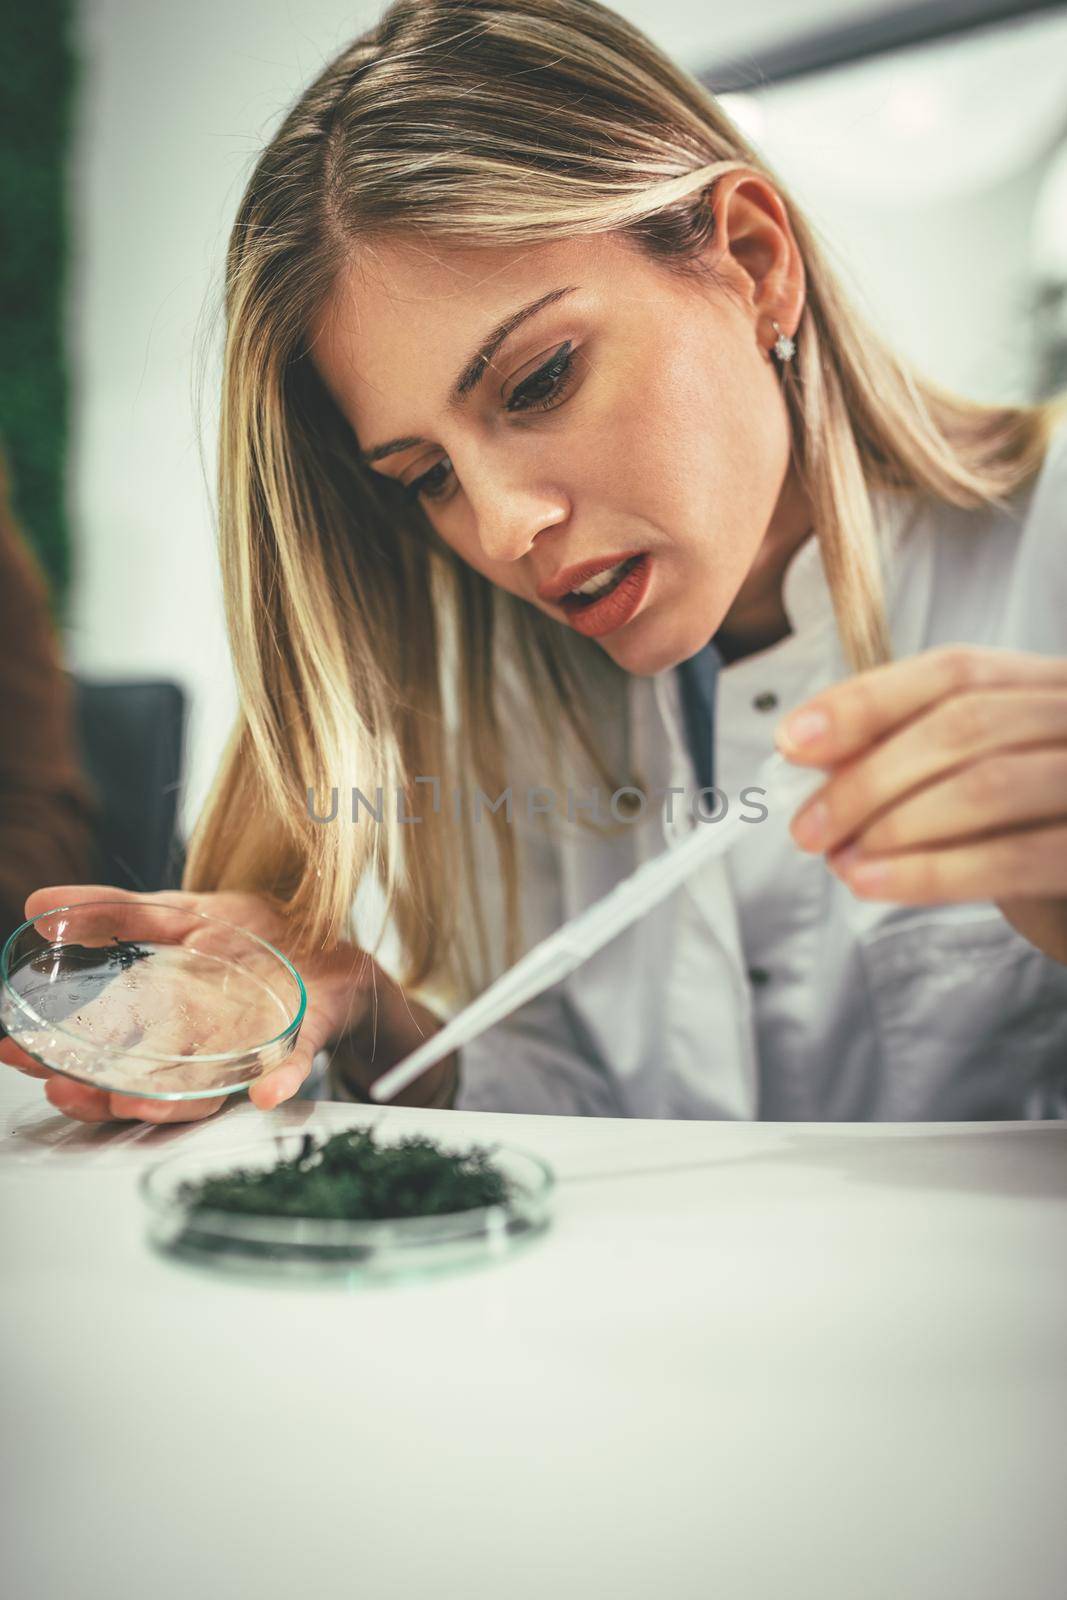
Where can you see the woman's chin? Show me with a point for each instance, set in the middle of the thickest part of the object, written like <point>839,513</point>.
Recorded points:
<point>643,658</point>
<point>644,651</point>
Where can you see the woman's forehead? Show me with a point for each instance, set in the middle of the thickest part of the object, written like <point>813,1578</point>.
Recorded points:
<point>406,286</point>
<point>404,317</point>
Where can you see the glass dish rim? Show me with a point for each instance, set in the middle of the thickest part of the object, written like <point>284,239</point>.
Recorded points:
<point>333,1230</point>
<point>21,1005</point>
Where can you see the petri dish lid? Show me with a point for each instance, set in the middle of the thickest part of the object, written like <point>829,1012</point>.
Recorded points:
<point>149,998</point>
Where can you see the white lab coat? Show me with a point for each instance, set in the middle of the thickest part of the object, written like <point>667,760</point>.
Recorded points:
<point>764,988</point>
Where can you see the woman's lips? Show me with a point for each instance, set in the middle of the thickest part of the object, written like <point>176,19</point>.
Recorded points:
<point>597,617</point>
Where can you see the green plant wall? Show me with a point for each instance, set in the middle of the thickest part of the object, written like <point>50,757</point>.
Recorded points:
<point>37,79</point>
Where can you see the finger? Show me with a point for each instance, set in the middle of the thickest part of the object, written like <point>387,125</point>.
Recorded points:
<point>948,737</point>
<point>335,995</point>
<point>275,1086</point>
<point>69,894</point>
<point>283,1081</point>
<point>64,1057</point>
<point>851,715</point>
<point>146,1109</point>
<point>174,1054</point>
<point>999,792</point>
<point>75,893</point>
<point>77,1099</point>
<point>98,920</point>
<point>86,1104</point>
<point>1028,863</point>
<point>12,1055</point>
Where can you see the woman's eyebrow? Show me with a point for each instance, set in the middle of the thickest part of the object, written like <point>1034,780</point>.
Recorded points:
<point>472,373</point>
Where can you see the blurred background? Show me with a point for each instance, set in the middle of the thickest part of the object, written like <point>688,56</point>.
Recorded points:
<point>928,143</point>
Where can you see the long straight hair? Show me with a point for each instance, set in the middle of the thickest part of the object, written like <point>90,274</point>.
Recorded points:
<point>364,649</point>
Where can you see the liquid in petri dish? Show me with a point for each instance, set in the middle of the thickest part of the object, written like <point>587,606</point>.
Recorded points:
<point>141,1017</point>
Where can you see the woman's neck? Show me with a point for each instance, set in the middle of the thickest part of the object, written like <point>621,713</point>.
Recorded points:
<point>734,647</point>
<point>758,618</point>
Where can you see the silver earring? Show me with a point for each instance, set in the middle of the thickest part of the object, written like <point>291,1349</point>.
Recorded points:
<point>784,347</point>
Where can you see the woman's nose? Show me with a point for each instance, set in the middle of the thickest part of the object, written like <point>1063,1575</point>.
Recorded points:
<point>510,515</point>
<point>509,530</point>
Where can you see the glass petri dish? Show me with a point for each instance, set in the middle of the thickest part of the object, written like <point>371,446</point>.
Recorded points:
<point>315,1247</point>
<point>148,998</point>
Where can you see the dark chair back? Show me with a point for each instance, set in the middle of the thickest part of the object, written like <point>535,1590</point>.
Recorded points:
<point>131,738</point>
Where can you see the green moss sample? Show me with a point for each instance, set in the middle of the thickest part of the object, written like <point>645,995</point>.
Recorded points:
<point>351,1177</point>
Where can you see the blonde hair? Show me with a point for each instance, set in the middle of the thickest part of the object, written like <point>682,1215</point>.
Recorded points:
<point>489,123</point>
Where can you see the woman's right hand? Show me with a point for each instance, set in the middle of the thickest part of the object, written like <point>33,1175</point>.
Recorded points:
<point>343,986</point>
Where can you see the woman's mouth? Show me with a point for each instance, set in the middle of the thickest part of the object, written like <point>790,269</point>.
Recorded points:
<point>609,599</point>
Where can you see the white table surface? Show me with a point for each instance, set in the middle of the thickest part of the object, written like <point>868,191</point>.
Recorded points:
<point>747,1360</point>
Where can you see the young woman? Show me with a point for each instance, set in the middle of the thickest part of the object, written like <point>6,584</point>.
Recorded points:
<point>547,433</point>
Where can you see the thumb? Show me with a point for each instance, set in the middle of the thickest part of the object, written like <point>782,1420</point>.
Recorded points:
<point>71,894</point>
<point>282,1081</point>
<point>12,1055</point>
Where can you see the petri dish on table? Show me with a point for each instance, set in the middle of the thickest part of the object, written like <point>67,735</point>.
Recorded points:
<point>149,999</point>
<point>391,1249</point>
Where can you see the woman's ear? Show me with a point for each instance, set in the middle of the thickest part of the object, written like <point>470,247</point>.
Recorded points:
<point>755,250</point>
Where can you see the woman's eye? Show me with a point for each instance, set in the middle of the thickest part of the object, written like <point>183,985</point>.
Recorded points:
<point>547,385</point>
<point>429,486</point>
<point>540,392</point>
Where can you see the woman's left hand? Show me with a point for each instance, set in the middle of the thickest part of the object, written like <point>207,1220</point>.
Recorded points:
<point>947,781</point>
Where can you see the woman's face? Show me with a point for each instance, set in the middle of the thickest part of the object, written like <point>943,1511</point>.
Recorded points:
<point>634,417</point>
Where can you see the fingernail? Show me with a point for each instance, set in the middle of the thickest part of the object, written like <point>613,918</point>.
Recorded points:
<point>869,874</point>
<point>842,860</point>
<point>803,728</point>
<point>810,825</point>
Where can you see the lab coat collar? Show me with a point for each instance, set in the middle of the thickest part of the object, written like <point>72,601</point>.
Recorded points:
<point>808,603</point>
<point>805,593</point>
<point>806,597</point>
<point>661,748</point>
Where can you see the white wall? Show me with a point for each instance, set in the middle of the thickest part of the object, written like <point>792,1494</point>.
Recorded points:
<point>927,200</point>
<point>924,172</point>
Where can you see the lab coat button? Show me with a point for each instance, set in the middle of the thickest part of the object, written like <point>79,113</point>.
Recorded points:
<point>758,975</point>
<point>766,701</point>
